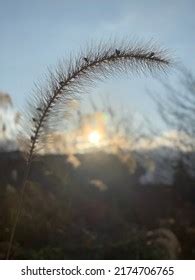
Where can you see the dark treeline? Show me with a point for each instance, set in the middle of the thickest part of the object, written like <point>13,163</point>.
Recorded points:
<point>97,211</point>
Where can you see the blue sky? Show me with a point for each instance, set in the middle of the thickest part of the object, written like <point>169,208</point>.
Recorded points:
<point>35,34</point>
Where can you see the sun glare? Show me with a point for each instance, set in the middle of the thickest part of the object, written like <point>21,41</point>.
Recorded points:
<point>94,137</point>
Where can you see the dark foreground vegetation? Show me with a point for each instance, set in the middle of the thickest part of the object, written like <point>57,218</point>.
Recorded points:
<point>95,211</point>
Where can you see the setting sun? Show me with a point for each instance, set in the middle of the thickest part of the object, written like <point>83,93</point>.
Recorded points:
<point>94,137</point>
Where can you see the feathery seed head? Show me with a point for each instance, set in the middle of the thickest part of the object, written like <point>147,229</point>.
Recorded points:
<point>70,79</point>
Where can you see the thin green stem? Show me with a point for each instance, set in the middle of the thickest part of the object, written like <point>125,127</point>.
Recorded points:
<point>19,209</point>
